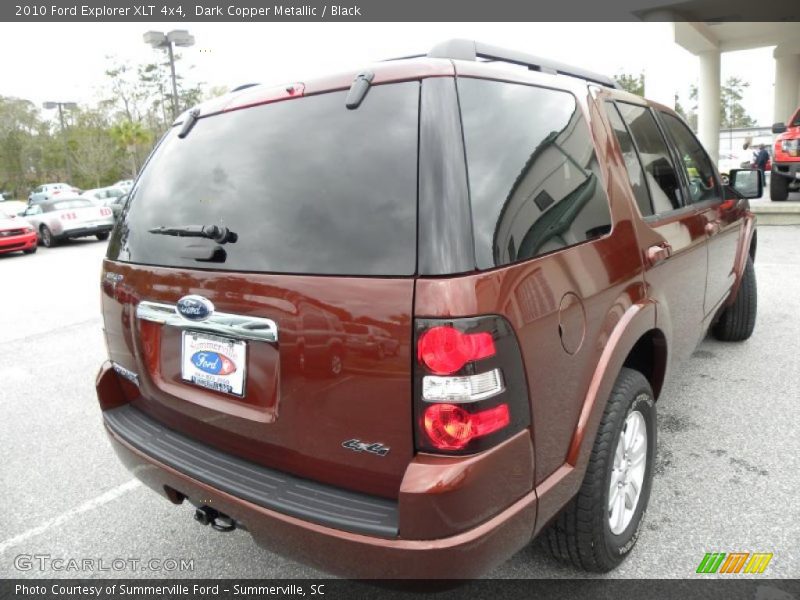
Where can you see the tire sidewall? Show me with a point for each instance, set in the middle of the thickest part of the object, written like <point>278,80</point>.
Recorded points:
<point>618,546</point>
<point>47,237</point>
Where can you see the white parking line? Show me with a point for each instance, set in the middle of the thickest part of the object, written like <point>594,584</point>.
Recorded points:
<point>100,500</point>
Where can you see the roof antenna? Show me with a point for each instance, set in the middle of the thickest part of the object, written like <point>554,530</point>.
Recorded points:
<point>359,89</point>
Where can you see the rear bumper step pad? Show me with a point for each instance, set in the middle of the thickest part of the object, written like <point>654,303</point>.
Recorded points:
<point>302,498</point>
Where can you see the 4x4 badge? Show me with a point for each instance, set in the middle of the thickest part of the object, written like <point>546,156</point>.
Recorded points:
<point>359,446</point>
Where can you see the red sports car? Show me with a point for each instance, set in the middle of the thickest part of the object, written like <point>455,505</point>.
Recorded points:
<point>16,234</point>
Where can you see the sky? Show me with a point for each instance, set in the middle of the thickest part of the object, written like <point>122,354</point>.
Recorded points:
<point>43,62</point>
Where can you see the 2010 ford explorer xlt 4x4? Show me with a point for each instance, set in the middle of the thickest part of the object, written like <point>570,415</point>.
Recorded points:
<point>397,323</point>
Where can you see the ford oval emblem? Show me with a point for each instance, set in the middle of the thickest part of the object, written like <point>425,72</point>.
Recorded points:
<point>213,363</point>
<point>194,308</point>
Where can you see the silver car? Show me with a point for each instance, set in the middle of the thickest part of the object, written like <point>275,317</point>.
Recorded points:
<point>47,191</point>
<point>66,218</point>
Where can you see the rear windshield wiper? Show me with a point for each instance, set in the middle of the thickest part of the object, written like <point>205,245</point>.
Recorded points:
<point>221,235</point>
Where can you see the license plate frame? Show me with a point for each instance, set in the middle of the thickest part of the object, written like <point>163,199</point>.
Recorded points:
<point>221,353</point>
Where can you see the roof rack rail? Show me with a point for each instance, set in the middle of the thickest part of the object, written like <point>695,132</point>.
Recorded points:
<point>460,49</point>
<point>244,86</point>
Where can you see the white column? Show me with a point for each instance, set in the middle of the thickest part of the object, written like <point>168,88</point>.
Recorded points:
<point>659,72</point>
<point>708,98</point>
<point>787,83</point>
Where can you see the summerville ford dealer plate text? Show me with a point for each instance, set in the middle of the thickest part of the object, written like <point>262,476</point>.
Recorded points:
<point>214,362</point>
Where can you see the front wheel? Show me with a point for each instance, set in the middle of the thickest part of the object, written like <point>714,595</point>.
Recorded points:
<point>600,526</point>
<point>778,188</point>
<point>335,363</point>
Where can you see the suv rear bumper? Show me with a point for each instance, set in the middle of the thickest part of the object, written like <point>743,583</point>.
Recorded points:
<point>429,489</point>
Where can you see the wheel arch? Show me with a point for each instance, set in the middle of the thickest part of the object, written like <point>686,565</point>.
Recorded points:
<point>634,332</point>
<point>649,357</point>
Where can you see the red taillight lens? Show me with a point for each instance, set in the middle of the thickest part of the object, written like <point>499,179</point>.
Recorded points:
<point>450,427</point>
<point>105,211</point>
<point>445,350</point>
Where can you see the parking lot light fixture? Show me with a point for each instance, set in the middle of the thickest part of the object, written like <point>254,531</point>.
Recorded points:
<point>176,37</point>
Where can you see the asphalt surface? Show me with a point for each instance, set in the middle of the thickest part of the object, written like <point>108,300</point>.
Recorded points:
<point>727,469</point>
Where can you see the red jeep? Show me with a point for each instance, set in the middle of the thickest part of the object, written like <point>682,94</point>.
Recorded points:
<point>785,175</point>
<point>538,250</point>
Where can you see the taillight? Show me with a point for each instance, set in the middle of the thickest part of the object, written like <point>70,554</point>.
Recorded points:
<point>105,212</point>
<point>445,350</point>
<point>450,427</point>
<point>70,216</point>
<point>470,390</point>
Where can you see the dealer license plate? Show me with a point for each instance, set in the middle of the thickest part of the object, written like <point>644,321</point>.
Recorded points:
<point>214,362</point>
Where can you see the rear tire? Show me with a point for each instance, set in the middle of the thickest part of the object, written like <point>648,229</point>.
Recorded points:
<point>738,320</point>
<point>102,236</point>
<point>582,534</point>
<point>48,239</point>
<point>778,188</point>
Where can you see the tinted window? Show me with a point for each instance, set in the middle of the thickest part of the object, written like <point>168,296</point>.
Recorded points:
<point>533,175</point>
<point>662,179</point>
<point>307,185</point>
<point>696,164</point>
<point>634,167</point>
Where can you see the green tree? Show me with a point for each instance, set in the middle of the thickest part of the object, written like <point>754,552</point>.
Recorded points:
<point>20,130</point>
<point>95,152</point>
<point>732,113</point>
<point>631,83</point>
<point>689,112</point>
<point>131,137</point>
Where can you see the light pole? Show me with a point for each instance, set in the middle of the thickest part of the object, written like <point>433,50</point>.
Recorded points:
<point>177,37</point>
<point>61,106</point>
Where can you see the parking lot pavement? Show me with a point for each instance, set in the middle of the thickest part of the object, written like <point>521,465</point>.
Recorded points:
<point>727,467</point>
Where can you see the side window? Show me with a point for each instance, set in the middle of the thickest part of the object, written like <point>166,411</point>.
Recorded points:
<point>696,164</point>
<point>534,180</point>
<point>632,164</point>
<point>662,179</point>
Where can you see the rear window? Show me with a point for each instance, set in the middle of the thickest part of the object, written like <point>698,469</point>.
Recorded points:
<point>307,185</point>
<point>533,174</point>
<point>66,204</point>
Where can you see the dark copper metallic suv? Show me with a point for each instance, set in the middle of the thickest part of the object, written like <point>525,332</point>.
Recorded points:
<point>399,324</point>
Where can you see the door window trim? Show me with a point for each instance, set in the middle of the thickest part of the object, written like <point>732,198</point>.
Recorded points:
<point>684,208</point>
<point>613,102</point>
<point>705,203</point>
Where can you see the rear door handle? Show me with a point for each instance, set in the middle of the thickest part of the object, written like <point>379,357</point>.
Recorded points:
<point>658,253</point>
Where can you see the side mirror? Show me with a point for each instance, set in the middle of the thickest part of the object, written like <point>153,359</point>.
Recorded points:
<point>779,128</point>
<point>748,183</point>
